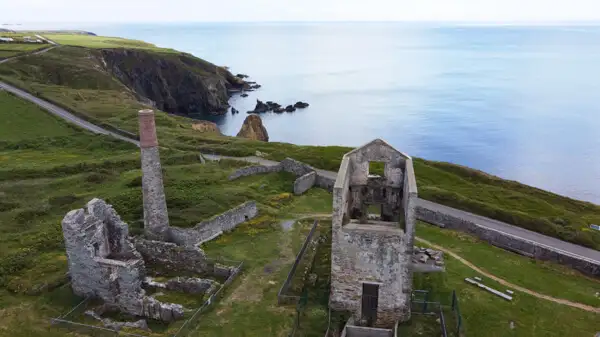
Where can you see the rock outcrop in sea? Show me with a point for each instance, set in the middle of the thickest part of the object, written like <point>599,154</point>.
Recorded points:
<point>254,129</point>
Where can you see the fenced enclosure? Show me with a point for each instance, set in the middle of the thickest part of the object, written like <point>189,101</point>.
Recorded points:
<point>68,320</point>
<point>444,307</point>
<point>284,296</point>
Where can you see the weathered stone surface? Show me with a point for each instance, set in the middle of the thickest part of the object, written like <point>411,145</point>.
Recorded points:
<point>114,325</point>
<point>190,285</point>
<point>253,170</point>
<point>254,129</point>
<point>206,126</point>
<point>377,252</point>
<point>509,242</point>
<point>173,257</point>
<point>304,183</point>
<point>156,217</point>
<point>104,264</point>
<point>209,229</point>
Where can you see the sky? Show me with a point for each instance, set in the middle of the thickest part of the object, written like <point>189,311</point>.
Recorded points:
<point>125,11</point>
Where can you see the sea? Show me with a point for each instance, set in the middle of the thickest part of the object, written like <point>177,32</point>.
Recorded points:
<point>519,102</point>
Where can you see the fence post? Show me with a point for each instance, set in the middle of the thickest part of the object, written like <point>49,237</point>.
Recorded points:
<point>453,299</point>
<point>425,304</point>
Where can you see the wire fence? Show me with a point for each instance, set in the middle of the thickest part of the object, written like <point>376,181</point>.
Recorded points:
<point>426,302</point>
<point>283,297</point>
<point>67,320</point>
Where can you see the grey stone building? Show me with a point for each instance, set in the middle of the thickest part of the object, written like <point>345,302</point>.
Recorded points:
<point>371,273</point>
<point>103,263</point>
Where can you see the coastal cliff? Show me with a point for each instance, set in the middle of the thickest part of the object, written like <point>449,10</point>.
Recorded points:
<point>175,82</point>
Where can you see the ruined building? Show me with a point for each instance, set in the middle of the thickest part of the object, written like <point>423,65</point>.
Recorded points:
<point>371,273</point>
<point>104,264</point>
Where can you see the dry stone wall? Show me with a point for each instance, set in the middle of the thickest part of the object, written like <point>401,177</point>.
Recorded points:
<point>305,182</point>
<point>209,229</point>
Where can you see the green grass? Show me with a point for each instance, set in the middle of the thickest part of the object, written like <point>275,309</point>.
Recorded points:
<point>566,283</point>
<point>91,41</point>
<point>24,121</point>
<point>22,47</point>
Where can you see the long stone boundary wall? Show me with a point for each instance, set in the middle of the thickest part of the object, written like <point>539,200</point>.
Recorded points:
<point>210,229</point>
<point>509,242</point>
<point>299,169</point>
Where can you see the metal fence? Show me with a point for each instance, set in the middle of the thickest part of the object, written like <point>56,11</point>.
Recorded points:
<point>188,326</point>
<point>282,296</point>
<point>422,303</point>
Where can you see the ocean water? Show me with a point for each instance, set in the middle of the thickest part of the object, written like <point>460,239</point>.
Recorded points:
<point>522,103</point>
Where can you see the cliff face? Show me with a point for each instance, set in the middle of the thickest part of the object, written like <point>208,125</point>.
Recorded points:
<point>176,83</point>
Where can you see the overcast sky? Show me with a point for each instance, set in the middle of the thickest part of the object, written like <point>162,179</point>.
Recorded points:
<point>497,11</point>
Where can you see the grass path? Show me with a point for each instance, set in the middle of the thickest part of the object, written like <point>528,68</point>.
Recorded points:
<point>508,284</point>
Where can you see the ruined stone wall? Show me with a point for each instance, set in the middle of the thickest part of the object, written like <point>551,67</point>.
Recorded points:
<point>325,182</point>
<point>297,168</point>
<point>104,264</point>
<point>172,256</point>
<point>254,170</point>
<point>409,203</point>
<point>509,242</point>
<point>372,255</point>
<point>209,229</point>
<point>304,183</point>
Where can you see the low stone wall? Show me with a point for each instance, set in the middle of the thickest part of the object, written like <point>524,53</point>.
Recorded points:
<point>324,182</point>
<point>210,229</point>
<point>305,182</point>
<point>509,242</point>
<point>173,257</point>
<point>295,167</point>
<point>253,170</point>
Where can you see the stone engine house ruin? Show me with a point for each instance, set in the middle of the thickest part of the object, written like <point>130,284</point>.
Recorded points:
<point>103,263</point>
<point>371,257</point>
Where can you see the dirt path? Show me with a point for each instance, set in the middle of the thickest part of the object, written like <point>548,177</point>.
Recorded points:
<point>508,284</point>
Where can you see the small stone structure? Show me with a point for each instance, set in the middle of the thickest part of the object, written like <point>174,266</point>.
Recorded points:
<point>371,260</point>
<point>307,175</point>
<point>427,260</point>
<point>156,217</point>
<point>212,228</point>
<point>103,263</point>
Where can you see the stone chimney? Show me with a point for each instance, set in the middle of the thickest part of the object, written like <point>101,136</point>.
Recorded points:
<point>156,217</point>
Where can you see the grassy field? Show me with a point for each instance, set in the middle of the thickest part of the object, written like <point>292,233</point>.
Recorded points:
<point>91,41</point>
<point>24,121</point>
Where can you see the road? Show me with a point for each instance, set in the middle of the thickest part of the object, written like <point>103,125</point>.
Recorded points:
<point>64,114</point>
<point>514,230</point>
<point>538,238</point>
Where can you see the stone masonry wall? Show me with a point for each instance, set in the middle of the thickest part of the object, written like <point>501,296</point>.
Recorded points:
<point>172,256</point>
<point>104,264</point>
<point>375,256</point>
<point>305,182</point>
<point>254,170</point>
<point>508,242</point>
<point>209,229</point>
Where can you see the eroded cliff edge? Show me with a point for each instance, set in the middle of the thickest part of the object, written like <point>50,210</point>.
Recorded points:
<point>175,82</point>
